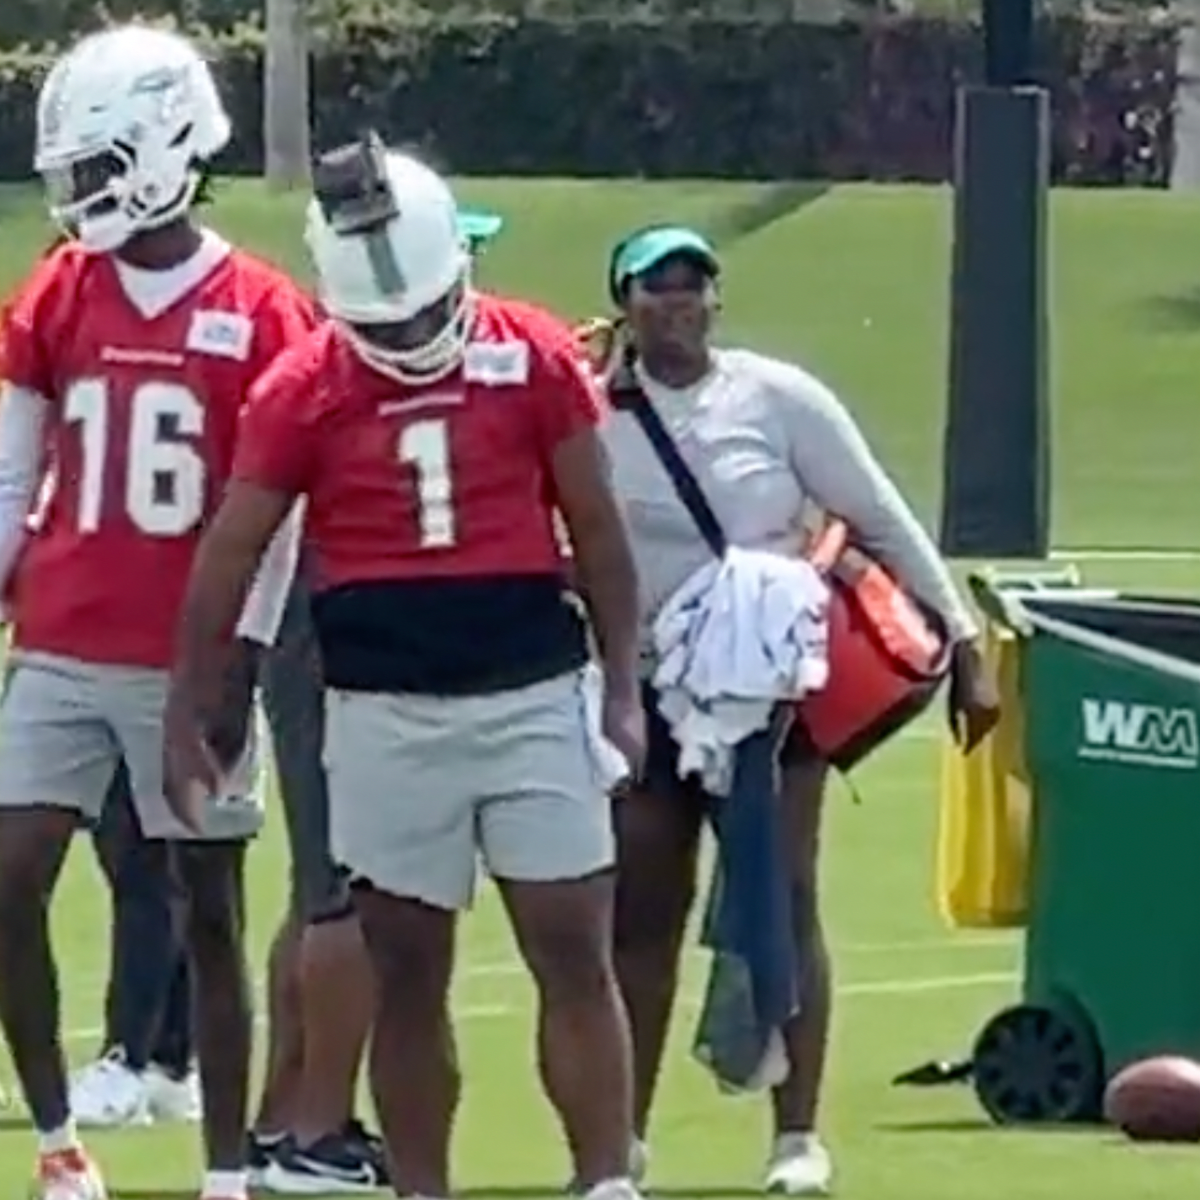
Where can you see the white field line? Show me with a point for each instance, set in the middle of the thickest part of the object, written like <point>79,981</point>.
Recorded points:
<point>505,968</point>
<point>920,985</point>
<point>931,983</point>
<point>968,942</point>
<point>463,1012</point>
<point>1099,554</point>
<point>972,943</point>
<point>955,942</point>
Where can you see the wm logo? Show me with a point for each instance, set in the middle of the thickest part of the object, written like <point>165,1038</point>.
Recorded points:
<point>1141,734</point>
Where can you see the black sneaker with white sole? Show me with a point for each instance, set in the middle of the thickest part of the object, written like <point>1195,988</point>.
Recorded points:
<point>260,1153</point>
<point>345,1163</point>
<point>356,1132</point>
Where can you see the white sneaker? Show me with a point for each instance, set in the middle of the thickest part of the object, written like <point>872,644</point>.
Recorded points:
<point>107,1093</point>
<point>800,1166</point>
<point>639,1164</point>
<point>171,1099</point>
<point>614,1189</point>
<point>639,1160</point>
<point>68,1175</point>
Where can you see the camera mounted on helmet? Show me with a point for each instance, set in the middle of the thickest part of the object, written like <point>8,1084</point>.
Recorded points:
<point>351,185</point>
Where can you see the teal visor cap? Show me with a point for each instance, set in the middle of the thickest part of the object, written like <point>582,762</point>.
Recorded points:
<point>642,252</point>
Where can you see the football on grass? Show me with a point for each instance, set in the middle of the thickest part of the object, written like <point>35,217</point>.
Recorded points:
<point>1156,1100</point>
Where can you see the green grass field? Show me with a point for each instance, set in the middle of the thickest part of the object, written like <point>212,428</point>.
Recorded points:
<point>855,286</point>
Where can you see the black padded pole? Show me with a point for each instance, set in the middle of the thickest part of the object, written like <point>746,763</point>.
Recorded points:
<point>996,485</point>
<point>1008,42</point>
<point>996,451</point>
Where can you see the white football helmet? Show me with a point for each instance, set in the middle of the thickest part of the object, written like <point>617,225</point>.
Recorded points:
<point>427,261</point>
<point>125,121</point>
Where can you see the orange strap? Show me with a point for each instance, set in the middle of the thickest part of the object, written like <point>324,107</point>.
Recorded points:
<point>828,545</point>
<point>901,628</point>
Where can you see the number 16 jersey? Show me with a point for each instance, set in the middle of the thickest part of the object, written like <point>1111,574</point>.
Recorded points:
<point>142,394</point>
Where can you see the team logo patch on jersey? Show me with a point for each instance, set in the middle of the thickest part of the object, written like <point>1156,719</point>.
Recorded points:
<point>496,364</point>
<point>222,334</point>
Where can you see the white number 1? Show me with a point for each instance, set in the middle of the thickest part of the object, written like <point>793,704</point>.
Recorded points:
<point>425,447</point>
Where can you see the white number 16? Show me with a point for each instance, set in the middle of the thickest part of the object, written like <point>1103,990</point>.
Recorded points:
<point>163,491</point>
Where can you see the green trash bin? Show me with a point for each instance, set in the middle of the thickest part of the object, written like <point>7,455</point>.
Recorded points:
<point>1111,688</point>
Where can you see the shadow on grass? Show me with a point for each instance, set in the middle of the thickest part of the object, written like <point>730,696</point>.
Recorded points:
<point>514,1191</point>
<point>144,1193</point>
<point>975,1125</point>
<point>536,1191</point>
<point>764,208</point>
<point>1173,314</point>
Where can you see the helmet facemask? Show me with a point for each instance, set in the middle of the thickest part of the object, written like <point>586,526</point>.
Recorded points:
<point>424,348</point>
<point>105,199</point>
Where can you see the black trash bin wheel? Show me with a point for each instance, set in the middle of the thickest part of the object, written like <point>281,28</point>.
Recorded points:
<point>1039,1064</point>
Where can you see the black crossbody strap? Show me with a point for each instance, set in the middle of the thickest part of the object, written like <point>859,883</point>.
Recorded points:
<point>686,485</point>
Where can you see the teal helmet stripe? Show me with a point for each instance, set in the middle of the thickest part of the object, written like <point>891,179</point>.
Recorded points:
<point>479,225</point>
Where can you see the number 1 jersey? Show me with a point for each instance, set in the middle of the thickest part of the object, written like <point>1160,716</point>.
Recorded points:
<point>431,509</point>
<point>142,405</point>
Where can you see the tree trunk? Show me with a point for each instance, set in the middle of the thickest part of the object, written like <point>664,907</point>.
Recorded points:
<point>1185,168</point>
<point>286,103</point>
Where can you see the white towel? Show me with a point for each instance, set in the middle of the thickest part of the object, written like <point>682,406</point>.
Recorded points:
<point>737,638</point>
<point>611,765</point>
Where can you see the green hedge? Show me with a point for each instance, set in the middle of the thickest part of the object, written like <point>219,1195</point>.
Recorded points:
<point>703,97</point>
<point>35,21</point>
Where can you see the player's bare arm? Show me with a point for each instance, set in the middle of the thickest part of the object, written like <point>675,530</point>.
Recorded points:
<point>227,561</point>
<point>606,579</point>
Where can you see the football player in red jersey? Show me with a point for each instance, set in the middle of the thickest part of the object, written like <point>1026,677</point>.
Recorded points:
<point>434,432</point>
<point>320,990</point>
<point>128,353</point>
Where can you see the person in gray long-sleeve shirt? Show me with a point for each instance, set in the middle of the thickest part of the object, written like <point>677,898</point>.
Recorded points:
<point>765,441</point>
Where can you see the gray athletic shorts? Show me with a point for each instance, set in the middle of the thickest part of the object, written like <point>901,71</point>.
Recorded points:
<point>420,786</point>
<point>294,702</point>
<point>66,724</point>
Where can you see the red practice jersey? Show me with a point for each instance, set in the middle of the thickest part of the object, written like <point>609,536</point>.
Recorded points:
<point>142,419</point>
<point>431,510</point>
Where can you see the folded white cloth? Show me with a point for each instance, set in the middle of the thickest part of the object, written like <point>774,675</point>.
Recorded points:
<point>611,765</point>
<point>737,638</point>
